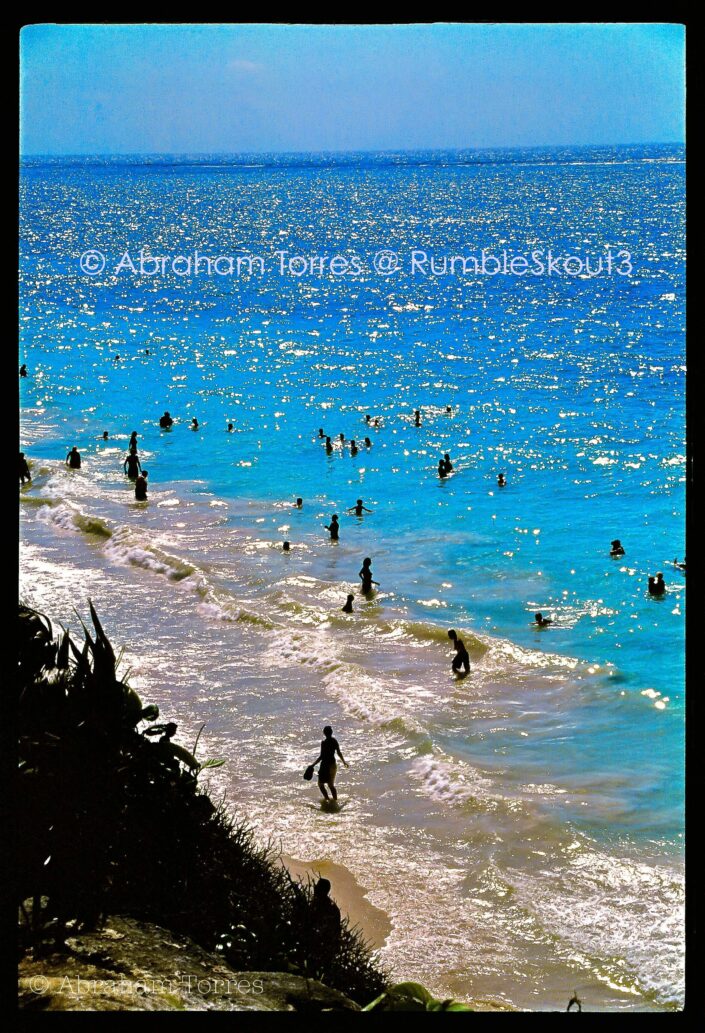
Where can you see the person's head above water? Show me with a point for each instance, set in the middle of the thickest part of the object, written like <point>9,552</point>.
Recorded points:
<point>105,435</point>
<point>299,502</point>
<point>616,543</point>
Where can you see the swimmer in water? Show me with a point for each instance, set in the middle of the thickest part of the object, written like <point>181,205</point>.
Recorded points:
<point>329,446</point>
<point>448,464</point>
<point>333,527</point>
<point>376,423</point>
<point>230,428</point>
<point>298,504</point>
<point>461,660</point>
<point>23,370</point>
<point>417,417</point>
<point>341,439</point>
<point>657,585</point>
<point>328,769</point>
<point>132,447</point>
<point>348,605</point>
<point>25,475</point>
<point>368,418</point>
<point>194,424</point>
<point>165,421</point>
<point>73,459</point>
<point>448,409</point>
<point>541,621</point>
<point>353,448</point>
<point>320,432</point>
<point>681,566</point>
<point>368,443</point>
<point>132,466</point>
<point>141,487</point>
<point>365,576</point>
<point>616,548</point>
<point>501,480</point>
<point>286,547</point>
<point>358,508</point>
<point>442,472</point>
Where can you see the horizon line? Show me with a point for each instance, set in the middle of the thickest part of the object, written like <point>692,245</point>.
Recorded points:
<point>328,150</point>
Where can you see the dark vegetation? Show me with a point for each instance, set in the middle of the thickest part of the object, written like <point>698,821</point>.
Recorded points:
<point>111,820</point>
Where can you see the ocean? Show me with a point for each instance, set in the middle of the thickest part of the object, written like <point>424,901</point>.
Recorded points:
<point>523,828</point>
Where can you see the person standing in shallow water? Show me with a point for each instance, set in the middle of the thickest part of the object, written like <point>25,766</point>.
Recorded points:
<point>461,660</point>
<point>25,475</point>
<point>141,487</point>
<point>132,447</point>
<point>358,508</point>
<point>366,577</point>
<point>73,459</point>
<point>328,767</point>
<point>347,607</point>
<point>132,466</point>
<point>657,586</point>
<point>333,527</point>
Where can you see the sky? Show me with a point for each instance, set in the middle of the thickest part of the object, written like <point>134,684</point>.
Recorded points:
<point>174,89</point>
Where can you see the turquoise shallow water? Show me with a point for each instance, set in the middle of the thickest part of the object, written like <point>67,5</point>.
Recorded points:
<point>572,386</point>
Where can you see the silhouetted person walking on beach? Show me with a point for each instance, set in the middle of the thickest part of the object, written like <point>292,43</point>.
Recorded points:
<point>73,459</point>
<point>165,421</point>
<point>461,660</point>
<point>141,487</point>
<point>333,527</point>
<point>366,577</point>
<point>25,475</point>
<point>328,769</point>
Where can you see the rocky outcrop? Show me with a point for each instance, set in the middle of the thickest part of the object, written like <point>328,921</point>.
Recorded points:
<point>135,966</point>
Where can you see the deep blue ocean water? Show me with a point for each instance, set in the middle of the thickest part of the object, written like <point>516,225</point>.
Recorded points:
<point>571,385</point>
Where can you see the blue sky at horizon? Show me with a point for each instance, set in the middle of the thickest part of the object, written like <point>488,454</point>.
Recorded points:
<point>146,89</point>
